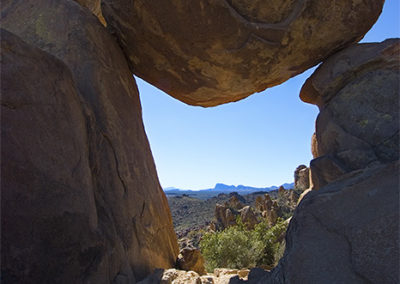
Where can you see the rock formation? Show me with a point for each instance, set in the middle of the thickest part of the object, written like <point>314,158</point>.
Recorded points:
<point>80,197</point>
<point>301,178</point>
<point>248,217</point>
<point>264,209</point>
<point>347,231</point>
<point>357,92</point>
<point>81,201</point>
<point>190,259</point>
<point>209,52</point>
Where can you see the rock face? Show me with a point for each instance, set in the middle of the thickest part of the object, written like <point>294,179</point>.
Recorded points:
<point>348,230</point>
<point>302,178</point>
<point>357,91</point>
<point>81,201</point>
<point>95,7</point>
<point>191,259</point>
<point>209,52</point>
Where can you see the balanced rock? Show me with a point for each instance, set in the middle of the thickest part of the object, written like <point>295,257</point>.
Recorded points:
<point>81,201</point>
<point>209,52</point>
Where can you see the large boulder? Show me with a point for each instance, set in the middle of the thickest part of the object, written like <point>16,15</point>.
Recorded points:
<point>357,91</point>
<point>209,52</point>
<point>81,201</point>
<point>348,230</point>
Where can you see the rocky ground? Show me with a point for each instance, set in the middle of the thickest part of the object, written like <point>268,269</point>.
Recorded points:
<point>219,276</point>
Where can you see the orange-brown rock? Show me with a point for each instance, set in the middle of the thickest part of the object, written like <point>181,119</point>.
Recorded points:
<point>81,201</point>
<point>302,177</point>
<point>314,146</point>
<point>209,52</point>
<point>248,217</point>
<point>190,259</point>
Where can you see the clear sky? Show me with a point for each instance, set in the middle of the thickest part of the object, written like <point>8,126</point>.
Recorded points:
<point>258,141</point>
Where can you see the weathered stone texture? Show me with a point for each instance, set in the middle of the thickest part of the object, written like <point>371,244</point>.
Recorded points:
<point>357,91</point>
<point>209,52</point>
<point>348,230</point>
<point>80,193</point>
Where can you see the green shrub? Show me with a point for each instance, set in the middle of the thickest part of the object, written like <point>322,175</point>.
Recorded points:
<point>237,247</point>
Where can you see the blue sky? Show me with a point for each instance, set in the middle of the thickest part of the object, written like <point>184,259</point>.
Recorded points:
<point>258,141</point>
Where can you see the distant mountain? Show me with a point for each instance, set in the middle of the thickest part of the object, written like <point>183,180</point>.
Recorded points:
<point>222,188</point>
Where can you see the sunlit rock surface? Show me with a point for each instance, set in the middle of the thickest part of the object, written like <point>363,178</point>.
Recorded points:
<point>209,52</point>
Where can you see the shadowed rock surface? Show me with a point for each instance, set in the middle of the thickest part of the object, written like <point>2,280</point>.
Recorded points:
<point>81,201</point>
<point>94,6</point>
<point>357,91</point>
<point>209,52</point>
<point>347,231</point>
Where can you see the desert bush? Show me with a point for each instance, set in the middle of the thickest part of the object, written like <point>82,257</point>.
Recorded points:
<point>238,247</point>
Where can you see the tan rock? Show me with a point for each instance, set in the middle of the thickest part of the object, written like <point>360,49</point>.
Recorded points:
<point>281,190</point>
<point>218,272</point>
<point>180,277</point>
<point>248,217</point>
<point>174,276</point>
<point>212,52</point>
<point>268,201</point>
<point>207,279</point>
<point>259,203</point>
<point>243,273</point>
<point>224,216</point>
<point>314,146</point>
<point>191,259</point>
<point>302,177</point>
